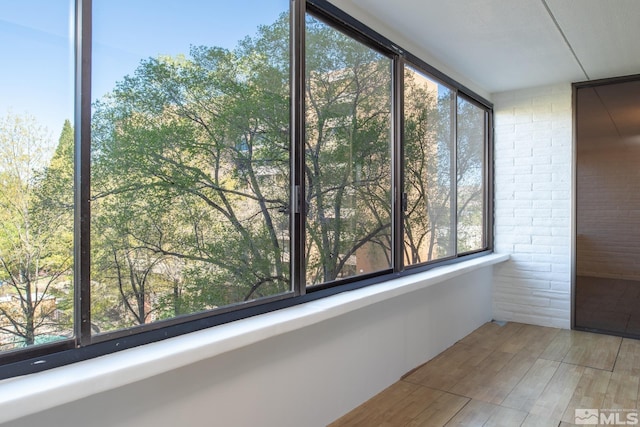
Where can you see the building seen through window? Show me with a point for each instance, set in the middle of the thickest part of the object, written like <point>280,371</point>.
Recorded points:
<point>348,156</point>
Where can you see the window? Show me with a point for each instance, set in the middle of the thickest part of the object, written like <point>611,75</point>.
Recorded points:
<point>36,175</point>
<point>348,156</point>
<point>429,149</point>
<point>190,159</point>
<point>244,158</point>
<point>471,176</point>
<point>445,142</point>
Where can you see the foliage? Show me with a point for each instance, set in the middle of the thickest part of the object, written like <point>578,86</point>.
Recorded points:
<point>348,156</point>
<point>190,173</point>
<point>36,230</point>
<point>190,177</point>
<point>429,169</point>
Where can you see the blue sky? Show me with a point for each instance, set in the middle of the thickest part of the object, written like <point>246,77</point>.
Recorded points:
<point>36,47</point>
<point>37,54</point>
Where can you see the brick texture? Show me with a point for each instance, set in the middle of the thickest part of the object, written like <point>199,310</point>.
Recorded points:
<point>533,143</point>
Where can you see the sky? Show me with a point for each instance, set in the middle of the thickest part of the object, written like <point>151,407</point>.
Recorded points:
<point>36,44</point>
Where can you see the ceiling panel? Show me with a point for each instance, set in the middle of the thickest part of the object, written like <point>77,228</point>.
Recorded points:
<point>503,45</point>
<point>604,34</point>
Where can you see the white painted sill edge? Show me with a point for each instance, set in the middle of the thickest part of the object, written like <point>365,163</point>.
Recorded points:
<point>29,394</point>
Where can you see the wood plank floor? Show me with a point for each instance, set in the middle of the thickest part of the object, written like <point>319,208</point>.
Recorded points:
<point>511,375</point>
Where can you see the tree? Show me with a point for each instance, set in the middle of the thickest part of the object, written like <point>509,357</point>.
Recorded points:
<point>35,229</point>
<point>191,159</point>
<point>190,166</point>
<point>470,178</point>
<point>428,149</point>
<point>191,170</point>
<point>348,156</point>
<point>430,171</point>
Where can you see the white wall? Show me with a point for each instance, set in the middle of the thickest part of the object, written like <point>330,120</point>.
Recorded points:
<point>533,162</point>
<point>308,377</point>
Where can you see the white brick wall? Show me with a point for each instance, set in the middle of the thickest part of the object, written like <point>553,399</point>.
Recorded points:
<point>533,205</point>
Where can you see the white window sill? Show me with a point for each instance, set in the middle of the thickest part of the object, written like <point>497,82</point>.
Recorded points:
<point>33,393</point>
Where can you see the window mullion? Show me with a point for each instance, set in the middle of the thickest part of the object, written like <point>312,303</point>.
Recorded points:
<point>454,176</point>
<point>488,181</point>
<point>82,173</point>
<point>397,99</point>
<point>297,197</point>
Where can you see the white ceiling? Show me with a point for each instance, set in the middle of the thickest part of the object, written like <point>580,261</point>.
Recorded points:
<point>500,45</point>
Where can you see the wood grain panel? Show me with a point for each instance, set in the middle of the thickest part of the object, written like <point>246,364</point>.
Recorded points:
<point>593,350</point>
<point>510,375</point>
<point>628,361</point>
<point>589,393</point>
<point>529,390</point>
<point>558,393</point>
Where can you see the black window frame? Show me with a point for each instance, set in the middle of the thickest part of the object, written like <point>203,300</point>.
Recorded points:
<point>85,346</point>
